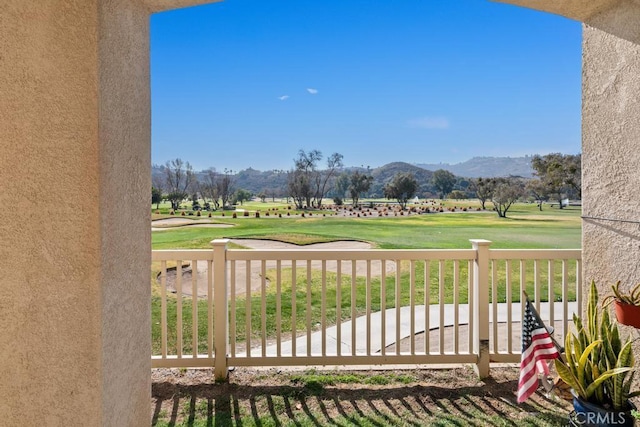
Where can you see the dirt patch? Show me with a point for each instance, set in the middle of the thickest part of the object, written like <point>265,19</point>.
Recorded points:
<point>407,398</point>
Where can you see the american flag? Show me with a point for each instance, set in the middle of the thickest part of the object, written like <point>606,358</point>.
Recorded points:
<point>537,348</point>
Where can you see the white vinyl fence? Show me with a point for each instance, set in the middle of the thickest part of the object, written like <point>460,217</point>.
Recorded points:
<point>281,307</point>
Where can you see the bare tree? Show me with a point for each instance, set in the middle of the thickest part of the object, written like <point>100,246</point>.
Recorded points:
<point>506,191</point>
<point>179,178</point>
<point>334,163</point>
<point>209,187</point>
<point>306,183</point>
<point>299,187</point>
<point>224,184</point>
<point>483,188</point>
<point>307,173</point>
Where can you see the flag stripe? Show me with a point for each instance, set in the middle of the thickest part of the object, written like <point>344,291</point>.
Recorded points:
<point>537,348</point>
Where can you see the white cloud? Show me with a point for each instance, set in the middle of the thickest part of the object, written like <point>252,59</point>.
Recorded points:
<point>430,123</point>
<point>312,91</point>
<point>283,97</point>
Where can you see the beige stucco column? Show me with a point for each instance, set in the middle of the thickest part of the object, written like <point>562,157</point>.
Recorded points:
<point>74,191</point>
<point>611,146</point>
<point>610,135</point>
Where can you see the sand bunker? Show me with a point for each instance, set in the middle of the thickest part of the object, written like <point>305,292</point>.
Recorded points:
<point>172,223</point>
<point>255,269</point>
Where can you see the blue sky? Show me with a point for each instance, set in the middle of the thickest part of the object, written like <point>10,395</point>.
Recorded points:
<point>247,83</point>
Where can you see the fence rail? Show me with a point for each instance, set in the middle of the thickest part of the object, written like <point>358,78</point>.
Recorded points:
<point>235,307</point>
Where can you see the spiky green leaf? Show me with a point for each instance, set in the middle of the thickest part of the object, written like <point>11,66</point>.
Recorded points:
<point>602,378</point>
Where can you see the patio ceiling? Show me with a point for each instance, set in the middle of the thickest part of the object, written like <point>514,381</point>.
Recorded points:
<point>162,5</point>
<point>580,10</point>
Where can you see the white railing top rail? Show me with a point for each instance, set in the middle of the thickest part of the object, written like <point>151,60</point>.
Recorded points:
<point>349,254</point>
<point>182,254</point>
<point>364,254</point>
<point>550,254</point>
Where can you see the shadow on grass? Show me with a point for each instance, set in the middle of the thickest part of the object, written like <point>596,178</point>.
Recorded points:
<point>225,404</point>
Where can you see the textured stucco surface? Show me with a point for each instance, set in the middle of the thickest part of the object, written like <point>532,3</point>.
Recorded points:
<point>50,256</point>
<point>611,152</point>
<point>75,140</point>
<point>124,141</point>
<point>620,21</point>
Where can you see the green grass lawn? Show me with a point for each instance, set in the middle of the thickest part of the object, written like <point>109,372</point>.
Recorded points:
<point>526,228</point>
<point>330,310</point>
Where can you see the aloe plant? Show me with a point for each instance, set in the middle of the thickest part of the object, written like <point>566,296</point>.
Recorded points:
<point>599,367</point>
<point>632,298</point>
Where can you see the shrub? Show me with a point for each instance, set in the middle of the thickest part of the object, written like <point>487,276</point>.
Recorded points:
<point>183,214</point>
<point>172,212</point>
<point>209,214</point>
<point>235,215</point>
<point>198,214</point>
<point>258,214</point>
<point>246,213</point>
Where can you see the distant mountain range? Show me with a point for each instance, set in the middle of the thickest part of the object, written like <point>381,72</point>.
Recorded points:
<point>486,167</point>
<point>274,183</point>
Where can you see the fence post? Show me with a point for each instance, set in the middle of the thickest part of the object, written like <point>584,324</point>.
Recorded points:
<point>220,308</point>
<point>481,306</point>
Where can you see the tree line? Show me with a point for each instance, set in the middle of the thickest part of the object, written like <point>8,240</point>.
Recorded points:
<point>310,182</point>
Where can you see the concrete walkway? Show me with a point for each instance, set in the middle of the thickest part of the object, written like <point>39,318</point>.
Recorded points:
<point>405,325</point>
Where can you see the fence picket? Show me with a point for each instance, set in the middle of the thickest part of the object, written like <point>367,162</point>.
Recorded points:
<point>486,285</point>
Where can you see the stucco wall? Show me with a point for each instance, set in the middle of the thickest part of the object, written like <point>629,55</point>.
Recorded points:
<point>124,163</point>
<point>75,253</point>
<point>611,146</point>
<point>50,302</point>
